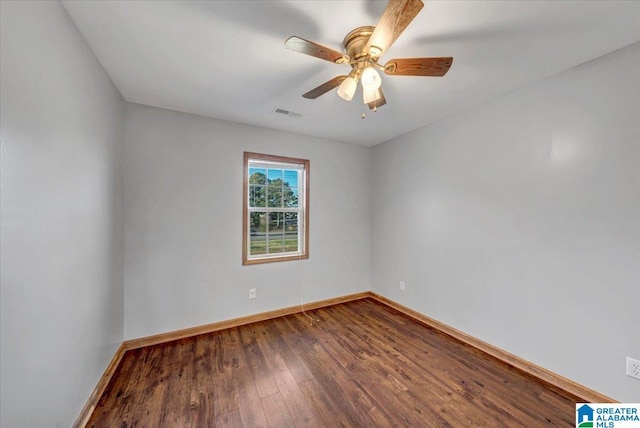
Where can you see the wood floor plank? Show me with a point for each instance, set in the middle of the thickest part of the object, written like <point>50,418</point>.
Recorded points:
<point>249,402</point>
<point>282,339</point>
<point>231,419</point>
<point>202,412</point>
<point>157,374</point>
<point>177,398</point>
<point>265,383</point>
<point>362,364</point>
<point>297,406</point>
<point>276,411</point>
<point>226,396</point>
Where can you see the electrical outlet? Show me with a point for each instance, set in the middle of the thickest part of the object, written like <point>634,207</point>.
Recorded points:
<point>633,368</point>
<point>252,293</point>
<point>402,284</point>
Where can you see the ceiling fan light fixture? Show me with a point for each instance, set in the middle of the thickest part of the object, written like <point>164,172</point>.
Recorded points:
<point>347,88</point>
<point>370,80</point>
<point>371,96</point>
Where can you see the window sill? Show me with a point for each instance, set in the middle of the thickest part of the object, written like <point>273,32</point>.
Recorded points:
<point>275,259</point>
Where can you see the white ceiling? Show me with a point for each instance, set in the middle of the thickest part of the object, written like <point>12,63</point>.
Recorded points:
<point>226,59</point>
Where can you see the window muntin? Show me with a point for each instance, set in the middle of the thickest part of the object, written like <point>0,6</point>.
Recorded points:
<point>275,208</point>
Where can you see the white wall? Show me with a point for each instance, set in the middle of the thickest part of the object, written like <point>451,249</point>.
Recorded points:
<point>62,131</point>
<point>518,222</point>
<point>183,228</point>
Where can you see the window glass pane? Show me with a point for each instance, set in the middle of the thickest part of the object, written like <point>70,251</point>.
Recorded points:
<point>257,176</point>
<point>290,197</point>
<point>258,222</point>
<point>290,242</point>
<point>257,196</point>
<point>275,237</point>
<point>257,237</point>
<point>291,177</point>
<point>291,222</point>
<point>275,188</point>
<point>275,174</point>
<point>276,222</point>
<point>291,231</point>
<point>275,243</point>
<point>274,196</point>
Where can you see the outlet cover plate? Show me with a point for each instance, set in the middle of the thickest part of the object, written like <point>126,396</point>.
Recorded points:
<point>633,368</point>
<point>252,293</point>
<point>402,285</point>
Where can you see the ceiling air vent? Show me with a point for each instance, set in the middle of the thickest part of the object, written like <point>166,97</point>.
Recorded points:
<point>287,112</point>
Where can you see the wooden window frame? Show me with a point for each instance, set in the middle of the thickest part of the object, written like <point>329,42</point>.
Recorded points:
<point>304,201</point>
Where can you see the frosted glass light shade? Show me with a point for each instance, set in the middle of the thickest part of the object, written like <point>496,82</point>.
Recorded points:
<point>347,88</point>
<point>371,96</point>
<point>370,79</point>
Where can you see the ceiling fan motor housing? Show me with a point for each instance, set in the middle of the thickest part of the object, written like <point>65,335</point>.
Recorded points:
<point>356,41</point>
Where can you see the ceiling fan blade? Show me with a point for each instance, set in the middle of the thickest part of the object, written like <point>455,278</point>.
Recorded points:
<point>306,47</point>
<point>379,102</point>
<point>394,20</point>
<point>418,66</point>
<point>324,88</point>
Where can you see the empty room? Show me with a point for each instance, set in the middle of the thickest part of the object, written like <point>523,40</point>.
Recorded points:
<point>319,213</point>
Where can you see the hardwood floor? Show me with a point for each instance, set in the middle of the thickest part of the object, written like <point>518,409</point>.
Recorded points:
<point>362,365</point>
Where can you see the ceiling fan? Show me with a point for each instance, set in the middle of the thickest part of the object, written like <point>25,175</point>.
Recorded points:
<point>363,48</point>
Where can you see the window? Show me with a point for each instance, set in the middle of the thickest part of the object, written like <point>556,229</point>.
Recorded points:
<point>275,217</point>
